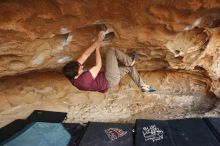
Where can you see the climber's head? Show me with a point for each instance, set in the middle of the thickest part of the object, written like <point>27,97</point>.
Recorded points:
<point>72,69</point>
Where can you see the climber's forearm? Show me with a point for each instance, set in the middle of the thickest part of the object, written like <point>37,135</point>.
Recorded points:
<point>88,52</point>
<point>95,69</point>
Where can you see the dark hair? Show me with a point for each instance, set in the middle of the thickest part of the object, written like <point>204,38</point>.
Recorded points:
<point>70,70</point>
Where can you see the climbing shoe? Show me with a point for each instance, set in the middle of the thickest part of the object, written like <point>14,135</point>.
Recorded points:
<point>147,88</point>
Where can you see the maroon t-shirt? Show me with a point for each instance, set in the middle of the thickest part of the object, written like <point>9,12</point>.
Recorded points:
<point>86,82</point>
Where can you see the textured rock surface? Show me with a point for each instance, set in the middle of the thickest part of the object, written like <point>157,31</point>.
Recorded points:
<point>177,43</point>
<point>179,95</point>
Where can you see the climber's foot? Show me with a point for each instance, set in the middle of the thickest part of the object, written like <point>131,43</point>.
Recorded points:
<point>147,88</point>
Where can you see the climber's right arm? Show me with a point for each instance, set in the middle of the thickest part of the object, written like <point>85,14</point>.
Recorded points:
<point>91,49</point>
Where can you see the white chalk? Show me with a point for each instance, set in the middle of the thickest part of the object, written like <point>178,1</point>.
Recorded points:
<point>195,24</point>
<point>39,59</point>
<point>108,31</point>
<point>64,59</point>
<point>64,43</point>
<point>69,39</point>
<point>64,30</point>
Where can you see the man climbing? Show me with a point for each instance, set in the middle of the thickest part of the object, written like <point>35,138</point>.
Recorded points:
<point>96,80</point>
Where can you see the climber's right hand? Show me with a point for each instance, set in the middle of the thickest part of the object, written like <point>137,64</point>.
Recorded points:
<point>101,36</point>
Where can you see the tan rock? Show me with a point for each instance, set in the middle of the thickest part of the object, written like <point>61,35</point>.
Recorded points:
<point>4,104</point>
<point>216,88</point>
<point>14,100</point>
<point>96,97</point>
<point>177,43</point>
<point>76,98</point>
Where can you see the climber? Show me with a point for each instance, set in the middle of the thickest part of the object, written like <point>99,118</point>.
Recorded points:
<point>97,80</point>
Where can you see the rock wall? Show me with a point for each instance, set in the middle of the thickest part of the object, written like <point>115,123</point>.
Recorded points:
<point>179,95</point>
<point>177,43</point>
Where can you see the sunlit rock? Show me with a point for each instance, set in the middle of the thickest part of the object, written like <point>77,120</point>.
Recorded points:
<point>178,49</point>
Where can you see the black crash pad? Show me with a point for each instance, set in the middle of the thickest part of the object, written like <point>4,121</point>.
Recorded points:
<point>47,116</point>
<point>184,132</point>
<point>76,131</point>
<point>107,134</point>
<point>12,128</point>
<point>36,116</point>
<point>18,127</point>
<point>214,126</point>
